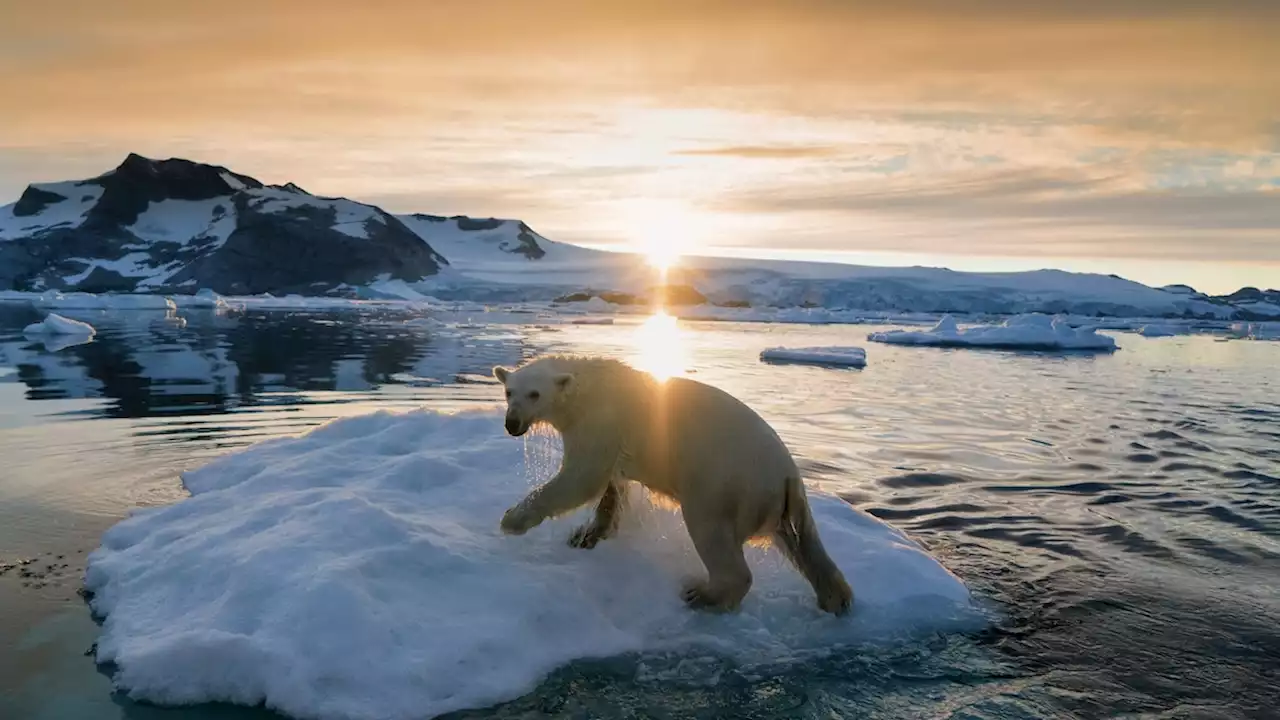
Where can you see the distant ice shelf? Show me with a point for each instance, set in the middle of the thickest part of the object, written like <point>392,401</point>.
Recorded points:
<point>1022,332</point>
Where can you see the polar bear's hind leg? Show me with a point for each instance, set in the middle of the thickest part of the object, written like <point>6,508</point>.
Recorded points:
<point>728,576</point>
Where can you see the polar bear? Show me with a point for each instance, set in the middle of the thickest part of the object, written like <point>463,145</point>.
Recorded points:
<point>687,442</point>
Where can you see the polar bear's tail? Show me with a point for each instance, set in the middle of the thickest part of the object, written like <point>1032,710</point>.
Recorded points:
<point>797,537</point>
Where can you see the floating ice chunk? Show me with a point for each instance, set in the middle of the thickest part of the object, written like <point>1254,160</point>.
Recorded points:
<point>1255,330</point>
<point>592,321</point>
<point>358,572</point>
<point>1156,331</point>
<point>205,298</point>
<point>395,289</point>
<point>1265,331</point>
<point>843,356</point>
<point>55,324</point>
<point>1021,332</point>
<point>90,301</point>
<point>415,380</point>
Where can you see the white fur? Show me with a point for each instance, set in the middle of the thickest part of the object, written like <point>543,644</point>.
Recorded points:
<point>730,473</point>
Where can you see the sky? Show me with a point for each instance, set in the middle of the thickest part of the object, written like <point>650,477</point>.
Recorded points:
<point>1136,137</point>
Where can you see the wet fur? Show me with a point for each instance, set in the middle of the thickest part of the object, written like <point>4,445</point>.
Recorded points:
<point>674,438</point>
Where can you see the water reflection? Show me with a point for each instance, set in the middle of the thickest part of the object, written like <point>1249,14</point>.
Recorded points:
<point>660,347</point>
<point>143,365</point>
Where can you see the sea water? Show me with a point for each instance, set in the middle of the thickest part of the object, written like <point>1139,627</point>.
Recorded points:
<point>1115,514</point>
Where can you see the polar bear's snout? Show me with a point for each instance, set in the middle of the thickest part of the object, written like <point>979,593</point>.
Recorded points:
<point>515,426</point>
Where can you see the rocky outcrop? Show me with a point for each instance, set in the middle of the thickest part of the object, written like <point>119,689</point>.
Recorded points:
<point>176,225</point>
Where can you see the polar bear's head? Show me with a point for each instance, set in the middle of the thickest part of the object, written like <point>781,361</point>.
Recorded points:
<point>533,393</point>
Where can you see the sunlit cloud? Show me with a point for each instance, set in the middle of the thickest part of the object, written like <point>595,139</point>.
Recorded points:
<point>765,151</point>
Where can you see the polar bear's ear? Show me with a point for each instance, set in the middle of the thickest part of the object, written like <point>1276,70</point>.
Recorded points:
<point>563,381</point>
<point>501,373</point>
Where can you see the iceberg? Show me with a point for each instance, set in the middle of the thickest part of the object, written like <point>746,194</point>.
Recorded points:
<point>358,572</point>
<point>1022,332</point>
<point>55,324</point>
<point>204,299</point>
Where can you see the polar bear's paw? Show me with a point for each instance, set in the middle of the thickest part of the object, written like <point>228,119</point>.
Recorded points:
<point>700,596</point>
<point>586,536</point>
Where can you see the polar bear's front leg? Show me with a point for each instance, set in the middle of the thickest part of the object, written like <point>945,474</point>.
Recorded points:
<point>569,489</point>
<point>605,521</point>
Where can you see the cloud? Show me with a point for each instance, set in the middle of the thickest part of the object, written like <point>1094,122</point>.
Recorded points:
<point>1034,211</point>
<point>764,152</point>
<point>1031,195</point>
<point>1140,69</point>
<point>1067,126</point>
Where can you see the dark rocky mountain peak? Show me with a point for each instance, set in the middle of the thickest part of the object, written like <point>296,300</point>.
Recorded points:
<point>175,225</point>
<point>139,181</point>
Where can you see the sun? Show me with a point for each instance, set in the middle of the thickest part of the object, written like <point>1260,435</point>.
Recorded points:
<point>661,256</point>
<point>661,231</point>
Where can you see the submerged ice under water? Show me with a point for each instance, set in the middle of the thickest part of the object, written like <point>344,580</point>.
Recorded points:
<point>1117,511</point>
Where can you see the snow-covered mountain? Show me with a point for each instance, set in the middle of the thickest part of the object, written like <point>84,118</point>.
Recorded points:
<point>174,226</point>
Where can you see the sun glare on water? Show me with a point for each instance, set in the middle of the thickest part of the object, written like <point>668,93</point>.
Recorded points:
<point>660,345</point>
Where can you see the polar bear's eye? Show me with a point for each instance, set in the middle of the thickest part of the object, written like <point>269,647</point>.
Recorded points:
<point>534,395</point>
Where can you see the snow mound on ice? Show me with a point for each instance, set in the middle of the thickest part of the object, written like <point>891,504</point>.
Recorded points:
<point>358,572</point>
